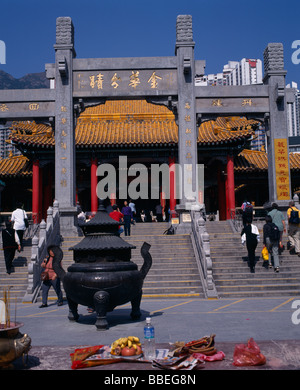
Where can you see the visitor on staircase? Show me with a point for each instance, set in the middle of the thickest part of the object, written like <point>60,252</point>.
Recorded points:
<point>11,243</point>
<point>293,215</point>
<point>250,236</point>
<point>271,241</point>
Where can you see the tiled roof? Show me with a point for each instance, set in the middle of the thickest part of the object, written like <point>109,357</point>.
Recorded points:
<point>225,130</point>
<point>246,161</point>
<point>32,133</point>
<point>15,165</point>
<point>132,122</point>
<point>252,160</point>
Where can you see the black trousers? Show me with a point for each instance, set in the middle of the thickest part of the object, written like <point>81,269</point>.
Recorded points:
<point>251,246</point>
<point>127,221</point>
<point>20,233</point>
<point>9,255</point>
<point>159,217</point>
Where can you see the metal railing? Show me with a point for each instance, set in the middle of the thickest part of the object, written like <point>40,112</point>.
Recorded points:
<point>236,217</point>
<point>201,244</point>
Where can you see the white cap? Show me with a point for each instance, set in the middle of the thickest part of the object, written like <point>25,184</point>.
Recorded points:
<point>148,319</point>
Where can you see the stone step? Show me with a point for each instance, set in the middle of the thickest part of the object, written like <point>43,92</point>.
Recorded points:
<point>275,287</point>
<point>253,281</point>
<point>155,275</point>
<point>172,283</point>
<point>260,293</point>
<point>172,291</point>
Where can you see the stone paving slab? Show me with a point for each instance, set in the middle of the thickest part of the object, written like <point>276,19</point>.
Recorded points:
<point>274,323</point>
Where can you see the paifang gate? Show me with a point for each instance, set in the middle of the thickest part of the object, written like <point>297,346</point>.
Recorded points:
<point>169,81</point>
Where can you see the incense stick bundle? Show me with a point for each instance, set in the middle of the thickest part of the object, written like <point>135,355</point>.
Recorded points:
<point>6,299</point>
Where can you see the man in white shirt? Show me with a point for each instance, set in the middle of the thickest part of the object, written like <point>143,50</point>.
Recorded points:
<point>17,218</point>
<point>133,209</point>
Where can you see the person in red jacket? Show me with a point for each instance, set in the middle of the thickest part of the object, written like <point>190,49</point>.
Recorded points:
<point>117,216</point>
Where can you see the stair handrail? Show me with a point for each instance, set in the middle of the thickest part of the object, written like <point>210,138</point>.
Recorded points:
<point>236,219</point>
<point>49,234</point>
<point>200,239</point>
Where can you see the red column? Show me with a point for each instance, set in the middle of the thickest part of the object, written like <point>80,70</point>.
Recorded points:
<point>222,196</point>
<point>172,184</point>
<point>162,199</point>
<point>47,193</point>
<point>41,197</point>
<point>94,198</point>
<point>113,199</point>
<point>35,190</point>
<point>230,195</point>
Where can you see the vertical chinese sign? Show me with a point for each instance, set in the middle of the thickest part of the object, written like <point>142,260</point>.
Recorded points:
<point>282,169</point>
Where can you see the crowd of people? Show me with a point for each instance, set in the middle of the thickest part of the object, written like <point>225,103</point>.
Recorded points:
<point>273,230</point>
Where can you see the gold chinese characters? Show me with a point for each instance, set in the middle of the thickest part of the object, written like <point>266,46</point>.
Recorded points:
<point>132,80</point>
<point>282,169</point>
<point>221,103</point>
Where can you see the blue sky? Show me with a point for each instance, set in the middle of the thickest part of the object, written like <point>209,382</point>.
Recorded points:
<point>223,30</point>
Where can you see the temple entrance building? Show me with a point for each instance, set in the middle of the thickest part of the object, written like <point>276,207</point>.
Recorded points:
<point>149,111</point>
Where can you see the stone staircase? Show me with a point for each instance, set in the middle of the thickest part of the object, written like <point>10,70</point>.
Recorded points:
<point>232,275</point>
<point>174,271</point>
<point>18,279</point>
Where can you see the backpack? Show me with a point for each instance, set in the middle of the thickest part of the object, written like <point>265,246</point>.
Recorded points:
<point>248,208</point>
<point>170,231</point>
<point>294,216</point>
<point>274,232</point>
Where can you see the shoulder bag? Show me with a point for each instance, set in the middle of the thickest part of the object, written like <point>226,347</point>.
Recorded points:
<point>25,220</point>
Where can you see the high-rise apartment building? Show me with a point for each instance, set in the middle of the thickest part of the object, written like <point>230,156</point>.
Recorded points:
<point>293,112</point>
<point>6,148</point>
<point>244,72</point>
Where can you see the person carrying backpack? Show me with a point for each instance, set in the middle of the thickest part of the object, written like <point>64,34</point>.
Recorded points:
<point>271,241</point>
<point>250,236</point>
<point>247,212</point>
<point>294,228</point>
<point>278,219</point>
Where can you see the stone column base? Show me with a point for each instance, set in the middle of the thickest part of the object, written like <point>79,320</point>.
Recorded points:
<point>68,221</point>
<point>185,220</point>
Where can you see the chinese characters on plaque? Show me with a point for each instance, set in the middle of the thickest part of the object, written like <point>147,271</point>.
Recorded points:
<point>63,146</point>
<point>131,80</point>
<point>30,106</point>
<point>188,166</point>
<point>219,102</point>
<point>282,169</point>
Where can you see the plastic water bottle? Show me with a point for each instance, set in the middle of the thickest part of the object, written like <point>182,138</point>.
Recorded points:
<point>149,340</point>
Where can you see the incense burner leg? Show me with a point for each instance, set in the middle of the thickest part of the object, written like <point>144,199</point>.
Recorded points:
<point>135,305</point>
<point>73,310</point>
<point>101,302</point>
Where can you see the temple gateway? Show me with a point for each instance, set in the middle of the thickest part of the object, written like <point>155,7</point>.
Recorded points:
<point>150,111</point>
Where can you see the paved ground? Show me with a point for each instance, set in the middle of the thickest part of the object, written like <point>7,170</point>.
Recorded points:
<point>272,322</point>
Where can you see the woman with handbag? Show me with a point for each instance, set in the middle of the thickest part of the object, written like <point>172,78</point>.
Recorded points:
<point>20,221</point>
<point>50,278</point>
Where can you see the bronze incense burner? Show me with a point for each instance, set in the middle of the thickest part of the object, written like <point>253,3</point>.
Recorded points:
<point>103,276</point>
